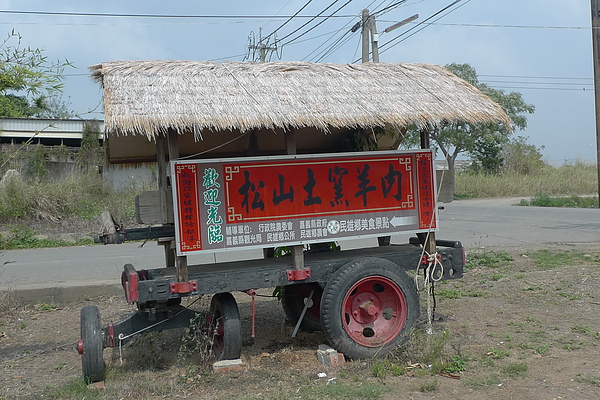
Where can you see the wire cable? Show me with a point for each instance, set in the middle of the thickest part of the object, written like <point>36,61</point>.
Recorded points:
<point>382,47</point>
<point>289,19</point>
<point>312,19</point>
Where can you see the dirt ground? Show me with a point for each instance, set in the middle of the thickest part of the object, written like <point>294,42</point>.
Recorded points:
<point>526,327</point>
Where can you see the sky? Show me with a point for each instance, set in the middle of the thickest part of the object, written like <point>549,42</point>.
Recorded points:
<point>539,48</point>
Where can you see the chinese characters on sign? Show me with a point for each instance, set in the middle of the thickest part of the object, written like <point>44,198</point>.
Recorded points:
<point>279,201</point>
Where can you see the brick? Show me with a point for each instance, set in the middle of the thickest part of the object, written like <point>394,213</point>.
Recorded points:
<point>225,366</point>
<point>330,357</point>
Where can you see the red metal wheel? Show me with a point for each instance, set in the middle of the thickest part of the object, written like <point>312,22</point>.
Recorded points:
<point>368,307</point>
<point>374,311</point>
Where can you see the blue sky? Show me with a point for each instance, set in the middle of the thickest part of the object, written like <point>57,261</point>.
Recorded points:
<point>539,48</point>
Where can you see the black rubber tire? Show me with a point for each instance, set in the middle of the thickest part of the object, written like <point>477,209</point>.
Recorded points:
<point>225,327</point>
<point>293,299</point>
<point>336,295</point>
<point>92,362</point>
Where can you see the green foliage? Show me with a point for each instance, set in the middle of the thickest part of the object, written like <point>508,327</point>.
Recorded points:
<point>80,195</point>
<point>428,386</point>
<point>35,165</point>
<point>547,259</point>
<point>29,83</point>
<point>516,369</point>
<point>492,259</point>
<point>593,380</point>
<point>483,142</point>
<point>521,157</point>
<point>483,382</point>
<point>76,389</point>
<point>543,200</point>
<point>381,368</point>
<point>432,350</point>
<point>23,237</point>
<point>90,153</point>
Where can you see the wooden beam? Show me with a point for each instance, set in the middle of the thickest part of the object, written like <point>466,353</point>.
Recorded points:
<point>429,244</point>
<point>180,261</point>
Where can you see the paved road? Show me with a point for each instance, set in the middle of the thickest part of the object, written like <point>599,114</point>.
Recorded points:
<point>498,223</point>
<point>476,223</point>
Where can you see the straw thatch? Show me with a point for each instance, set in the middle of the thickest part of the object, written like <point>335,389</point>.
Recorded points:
<point>151,97</point>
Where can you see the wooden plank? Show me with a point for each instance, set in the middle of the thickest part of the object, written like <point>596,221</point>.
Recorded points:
<point>148,208</point>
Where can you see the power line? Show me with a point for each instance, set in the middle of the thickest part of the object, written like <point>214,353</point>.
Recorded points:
<point>531,77</point>
<point>583,89</point>
<point>389,8</point>
<point>200,16</point>
<point>338,43</point>
<point>422,23</point>
<point>289,19</point>
<point>312,19</point>
<point>539,83</point>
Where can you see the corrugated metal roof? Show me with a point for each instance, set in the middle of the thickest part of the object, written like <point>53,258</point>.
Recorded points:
<point>47,128</point>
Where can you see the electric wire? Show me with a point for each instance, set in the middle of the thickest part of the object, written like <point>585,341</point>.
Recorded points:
<point>338,43</point>
<point>175,16</point>
<point>319,23</point>
<point>288,20</point>
<point>448,7</point>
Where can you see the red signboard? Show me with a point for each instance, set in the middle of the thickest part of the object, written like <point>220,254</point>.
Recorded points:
<point>279,201</point>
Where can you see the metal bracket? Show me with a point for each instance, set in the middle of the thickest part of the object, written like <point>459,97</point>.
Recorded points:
<point>129,280</point>
<point>184,287</point>
<point>298,274</point>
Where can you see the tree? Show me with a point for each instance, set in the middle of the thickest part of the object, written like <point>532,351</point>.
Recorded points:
<point>482,142</point>
<point>30,85</point>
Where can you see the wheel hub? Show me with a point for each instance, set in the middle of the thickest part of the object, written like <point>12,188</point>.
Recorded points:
<point>374,311</point>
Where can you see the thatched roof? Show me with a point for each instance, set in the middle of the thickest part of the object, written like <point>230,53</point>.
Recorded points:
<point>151,97</point>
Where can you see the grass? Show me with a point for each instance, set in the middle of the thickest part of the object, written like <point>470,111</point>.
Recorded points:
<point>82,196</point>
<point>544,200</point>
<point>23,237</point>
<point>488,259</point>
<point>577,179</point>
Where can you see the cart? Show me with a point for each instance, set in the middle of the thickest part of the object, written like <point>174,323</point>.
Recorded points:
<point>242,168</point>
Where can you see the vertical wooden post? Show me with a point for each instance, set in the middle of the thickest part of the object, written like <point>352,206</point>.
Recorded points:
<point>298,250</point>
<point>180,261</point>
<point>163,190</point>
<point>365,35</point>
<point>429,244</point>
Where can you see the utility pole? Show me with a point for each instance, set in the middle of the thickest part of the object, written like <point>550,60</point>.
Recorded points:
<point>596,51</point>
<point>374,38</point>
<point>261,47</point>
<point>365,35</point>
<point>369,27</point>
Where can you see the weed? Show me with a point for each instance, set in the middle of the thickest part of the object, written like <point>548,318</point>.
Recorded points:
<point>541,350</point>
<point>490,259</point>
<point>483,382</point>
<point>569,296</point>
<point>584,329</point>
<point>498,353</point>
<point>514,370</point>
<point>338,390</point>
<point>544,200</point>
<point>497,277</point>
<point>46,306</point>
<point>76,389</point>
<point>589,379</point>
<point>430,385</point>
<point>380,369</point>
<point>194,341</point>
<point>60,366</point>
<point>449,293</point>
<point>547,259</point>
